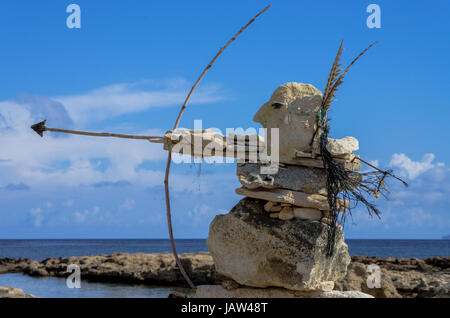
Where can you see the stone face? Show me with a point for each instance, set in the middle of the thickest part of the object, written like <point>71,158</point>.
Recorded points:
<point>256,250</point>
<point>217,291</point>
<point>298,178</point>
<point>342,146</point>
<point>296,198</point>
<point>293,109</point>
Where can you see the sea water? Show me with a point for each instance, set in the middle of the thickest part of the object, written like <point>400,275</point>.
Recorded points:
<point>56,287</point>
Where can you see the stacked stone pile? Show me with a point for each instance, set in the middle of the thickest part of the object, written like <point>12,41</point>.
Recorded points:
<point>273,242</point>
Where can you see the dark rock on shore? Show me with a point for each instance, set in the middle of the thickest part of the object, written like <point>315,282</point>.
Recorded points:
<point>432,264</point>
<point>400,277</point>
<point>156,269</point>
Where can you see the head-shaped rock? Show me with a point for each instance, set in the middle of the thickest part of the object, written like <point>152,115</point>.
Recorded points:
<point>293,108</point>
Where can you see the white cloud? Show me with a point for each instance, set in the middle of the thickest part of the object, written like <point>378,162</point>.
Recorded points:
<point>413,169</point>
<point>128,205</point>
<point>118,99</point>
<point>68,161</point>
<point>81,217</point>
<point>37,216</point>
<point>199,212</point>
<point>69,203</point>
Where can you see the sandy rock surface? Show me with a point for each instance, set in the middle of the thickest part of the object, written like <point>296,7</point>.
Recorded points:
<point>256,250</point>
<point>10,292</point>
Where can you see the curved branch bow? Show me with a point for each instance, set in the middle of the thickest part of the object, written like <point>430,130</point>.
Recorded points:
<point>169,157</point>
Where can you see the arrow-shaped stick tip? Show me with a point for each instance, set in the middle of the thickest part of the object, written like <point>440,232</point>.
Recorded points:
<point>39,128</point>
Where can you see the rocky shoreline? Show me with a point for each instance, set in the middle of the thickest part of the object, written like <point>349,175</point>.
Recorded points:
<point>400,277</point>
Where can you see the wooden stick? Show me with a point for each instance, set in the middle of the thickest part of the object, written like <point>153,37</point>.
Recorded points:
<point>96,134</point>
<point>154,139</point>
<point>169,157</point>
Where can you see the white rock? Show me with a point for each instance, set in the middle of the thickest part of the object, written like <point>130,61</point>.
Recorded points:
<point>342,146</point>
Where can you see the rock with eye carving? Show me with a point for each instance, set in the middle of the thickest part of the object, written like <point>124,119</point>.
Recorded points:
<point>293,109</point>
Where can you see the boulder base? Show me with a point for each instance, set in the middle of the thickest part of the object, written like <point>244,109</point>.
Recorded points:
<point>258,251</point>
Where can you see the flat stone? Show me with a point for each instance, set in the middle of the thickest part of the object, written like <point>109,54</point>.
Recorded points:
<point>349,164</point>
<point>272,207</point>
<point>255,250</point>
<point>296,198</point>
<point>307,214</point>
<point>217,291</point>
<point>298,178</point>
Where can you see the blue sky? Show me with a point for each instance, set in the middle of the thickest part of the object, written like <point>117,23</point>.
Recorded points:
<point>129,68</point>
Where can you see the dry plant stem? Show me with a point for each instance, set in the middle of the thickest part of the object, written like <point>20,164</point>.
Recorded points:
<point>169,157</point>
<point>382,171</point>
<point>96,134</point>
